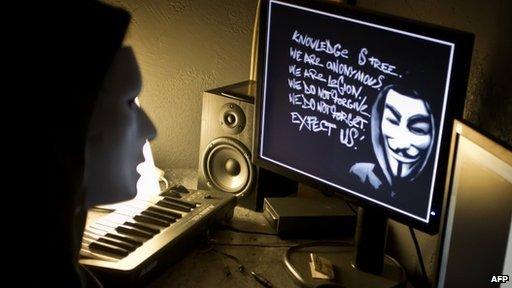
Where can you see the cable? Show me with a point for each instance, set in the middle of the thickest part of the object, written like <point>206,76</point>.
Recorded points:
<point>241,267</point>
<point>289,266</point>
<point>351,208</point>
<point>420,257</point>
<point>293,271</point>
<point>339,195</point>
<point>257,277</point>
<point>91,277</point>
<point>163,179</point>
<point>231,228</point>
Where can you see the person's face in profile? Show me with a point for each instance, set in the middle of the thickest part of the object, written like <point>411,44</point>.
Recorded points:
<point>407,130</point>
<point>117,131</point>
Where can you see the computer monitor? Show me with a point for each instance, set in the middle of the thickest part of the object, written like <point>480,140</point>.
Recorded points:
<point>360,103</point>
<point>476,242</point>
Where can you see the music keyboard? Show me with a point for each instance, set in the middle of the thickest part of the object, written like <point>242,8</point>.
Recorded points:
<point>143,236</point>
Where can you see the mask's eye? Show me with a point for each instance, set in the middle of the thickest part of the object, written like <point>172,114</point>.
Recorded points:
<point>420,128</point>
<point>392,115</point>
<point>391,119</point>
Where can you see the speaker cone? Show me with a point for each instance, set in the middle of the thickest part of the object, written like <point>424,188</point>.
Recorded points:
<point>227,166</point>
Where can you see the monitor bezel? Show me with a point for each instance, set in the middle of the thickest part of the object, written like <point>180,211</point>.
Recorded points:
<point>489,143</point>
<point>463,42</point>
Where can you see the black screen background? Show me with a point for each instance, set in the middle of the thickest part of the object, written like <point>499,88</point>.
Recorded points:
<point>422,63</point>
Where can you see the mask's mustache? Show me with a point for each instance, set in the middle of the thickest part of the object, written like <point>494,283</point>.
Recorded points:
<point>401,155</point>
<point>402,152</point>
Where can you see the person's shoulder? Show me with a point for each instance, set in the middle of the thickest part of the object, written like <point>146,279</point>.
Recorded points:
<point>362,169</point>
<point>365,173</point>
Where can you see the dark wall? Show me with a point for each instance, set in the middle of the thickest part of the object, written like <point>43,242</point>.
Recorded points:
<point>185,47</point>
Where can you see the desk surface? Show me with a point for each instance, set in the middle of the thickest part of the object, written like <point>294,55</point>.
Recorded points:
<point>263,254</point>
<point>203,268</point>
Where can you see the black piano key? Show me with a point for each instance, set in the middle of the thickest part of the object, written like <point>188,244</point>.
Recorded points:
<point>142,227</point>
<point>165,212</point>
<point>151,220</point>
<point>171,193</point>
<point>100,231</point>
<point>87,253</point>
<point>170,205</point>
<point>102,247</point>
<point>133,231</point>
<point>180,202</point>
<point>158,215</point>
<point>126,239</point>
<point>117,243</point>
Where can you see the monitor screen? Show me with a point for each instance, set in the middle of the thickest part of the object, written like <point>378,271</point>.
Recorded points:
<point>360,103</point>
<point>481,194</point>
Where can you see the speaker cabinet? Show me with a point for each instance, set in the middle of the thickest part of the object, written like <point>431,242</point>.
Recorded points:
<point>226,148</point>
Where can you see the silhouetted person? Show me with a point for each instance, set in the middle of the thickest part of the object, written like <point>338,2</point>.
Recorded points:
<point>403,131</point>
<point>95,133</point>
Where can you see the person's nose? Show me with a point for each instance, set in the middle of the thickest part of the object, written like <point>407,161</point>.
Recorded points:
<point>401,144</point>
<point>147,126</point>
<point>400,141</point>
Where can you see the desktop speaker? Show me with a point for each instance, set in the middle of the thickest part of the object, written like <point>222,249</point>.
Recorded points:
<point>226,148</point>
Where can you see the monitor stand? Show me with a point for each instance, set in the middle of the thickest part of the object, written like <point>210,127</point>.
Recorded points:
<point>365,264</point>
